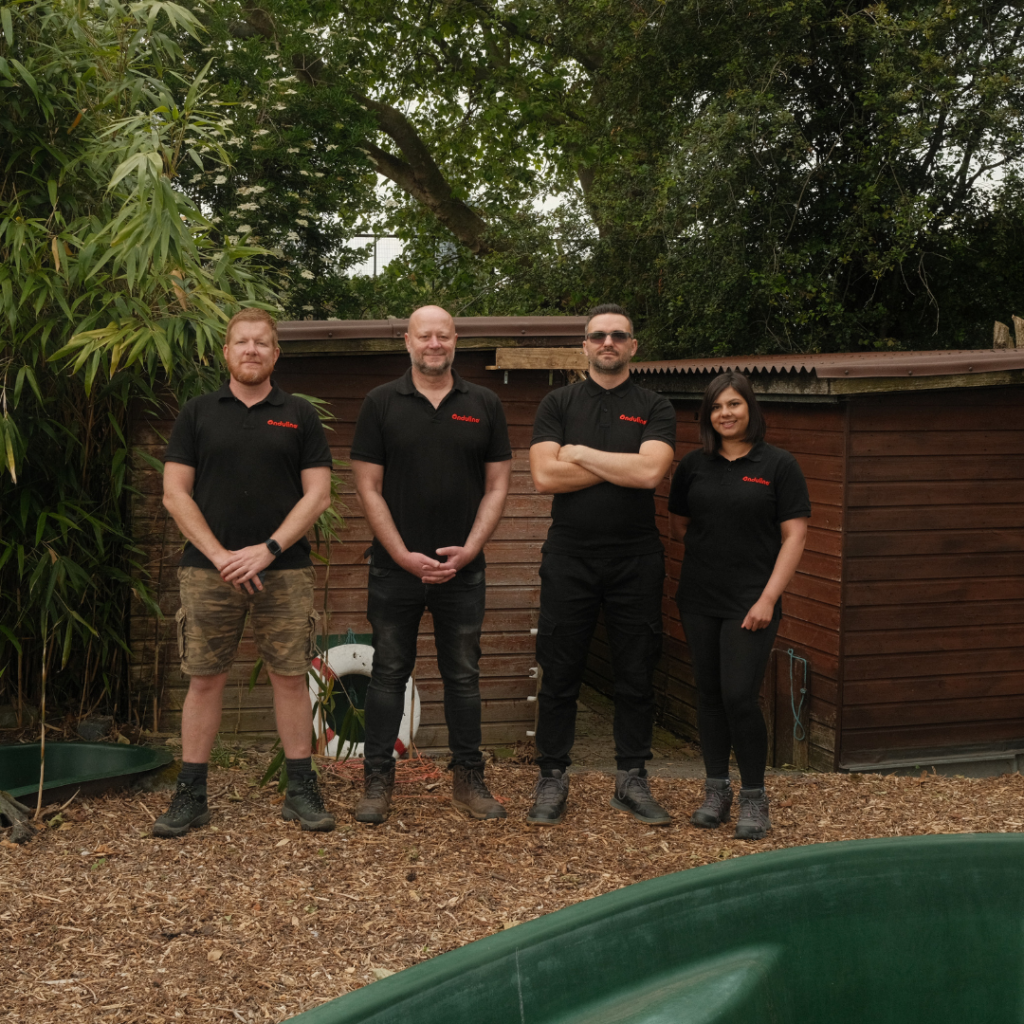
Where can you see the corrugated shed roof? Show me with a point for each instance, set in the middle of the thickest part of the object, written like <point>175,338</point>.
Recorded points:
<point>851,364</point>
<point>465,327</point>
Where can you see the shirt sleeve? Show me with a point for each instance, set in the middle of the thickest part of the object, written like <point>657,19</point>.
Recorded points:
<point>791,498</point>
<point>678,495</point>
<point>315,449</point>
<point>548,424</point>
<point>500,447</point>
<point>182,445</point>
<point>661,424</point>
<point>368,442</point>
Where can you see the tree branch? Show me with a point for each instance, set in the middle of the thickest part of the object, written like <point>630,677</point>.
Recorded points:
<point>417,173</point>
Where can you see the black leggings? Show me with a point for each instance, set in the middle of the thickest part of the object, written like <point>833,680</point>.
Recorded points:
<point>728,667</point>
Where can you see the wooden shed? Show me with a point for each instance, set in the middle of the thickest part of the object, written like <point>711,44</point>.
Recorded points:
<point>908,609</point>
<point>904,624</point>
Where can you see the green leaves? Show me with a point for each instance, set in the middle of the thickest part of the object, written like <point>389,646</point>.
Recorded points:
<point>110,288</point>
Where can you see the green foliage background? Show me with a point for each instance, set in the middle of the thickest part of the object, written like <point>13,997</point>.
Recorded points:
<point>110,286</point>
<point>746,176</point>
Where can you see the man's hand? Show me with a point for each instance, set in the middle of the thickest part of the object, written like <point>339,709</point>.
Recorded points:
<point>760,615</point>
<point>569,452</point>
<point>240,568</point>
<point>456,558</point>
<point>429,570</point>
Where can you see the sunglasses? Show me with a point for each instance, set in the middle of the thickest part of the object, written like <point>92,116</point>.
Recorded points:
<point>619,337</point>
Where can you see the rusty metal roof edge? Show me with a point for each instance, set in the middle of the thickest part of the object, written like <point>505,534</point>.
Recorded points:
<point>832,365</point>
<point>465,326</point>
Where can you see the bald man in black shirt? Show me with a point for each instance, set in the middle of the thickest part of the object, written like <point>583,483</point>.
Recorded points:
<point>601,447</point>
<point>432,461</point>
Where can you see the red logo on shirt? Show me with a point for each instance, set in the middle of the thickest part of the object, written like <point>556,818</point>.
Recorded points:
<point>633,419</point>
<point>464,419</point>
<point>282,423</point>
<point>757,480</point>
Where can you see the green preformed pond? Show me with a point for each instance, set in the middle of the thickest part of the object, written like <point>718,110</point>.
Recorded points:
<point>919,930</point>
<point>88,767</point>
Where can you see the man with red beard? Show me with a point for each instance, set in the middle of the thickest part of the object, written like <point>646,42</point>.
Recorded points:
<point>247,472</point>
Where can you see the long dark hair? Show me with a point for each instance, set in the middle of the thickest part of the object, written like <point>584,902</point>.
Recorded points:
<point>709,437</point>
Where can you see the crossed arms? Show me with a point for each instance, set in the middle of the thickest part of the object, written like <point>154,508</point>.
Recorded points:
<point>559,469</point>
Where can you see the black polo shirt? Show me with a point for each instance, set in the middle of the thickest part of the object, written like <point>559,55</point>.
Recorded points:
<point>604,521</point>
<point>248,464</point>
<point>733,539</point>
<point>433,459</point>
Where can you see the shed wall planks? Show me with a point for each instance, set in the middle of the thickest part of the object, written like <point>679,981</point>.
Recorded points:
<point>933,639</point>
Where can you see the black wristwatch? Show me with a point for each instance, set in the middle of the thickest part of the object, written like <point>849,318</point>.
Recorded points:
<point>274,547</point>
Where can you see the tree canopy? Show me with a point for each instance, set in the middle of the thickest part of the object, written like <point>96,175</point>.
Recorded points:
<point>751,175</point>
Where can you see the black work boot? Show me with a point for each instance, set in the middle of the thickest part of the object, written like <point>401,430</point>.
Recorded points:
<point>470,793</point>
<point>188,810</point>
<point>717,804</point>
<point>303,803</point>
<point>378,785</point>
<point>549,798</point>
<point>633,795</point>
<point>753,822</point>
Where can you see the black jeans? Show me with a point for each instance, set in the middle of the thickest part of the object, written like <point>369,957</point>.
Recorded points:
<point>395,604</point>
<point>572,592</point>
<point>728,668</point>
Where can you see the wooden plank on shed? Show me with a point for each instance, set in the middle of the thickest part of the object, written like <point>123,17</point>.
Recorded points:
<point>539,359</point>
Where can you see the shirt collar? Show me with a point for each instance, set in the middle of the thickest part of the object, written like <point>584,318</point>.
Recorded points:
<point>406,386</point>
<point>754,455</point>
<point>595,389</point>
<point>276,396</point>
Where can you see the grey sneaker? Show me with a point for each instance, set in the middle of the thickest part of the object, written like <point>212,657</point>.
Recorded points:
<point>303,803</point>
<point>470,793</point>
<point>633,795</point>
<point>549,798</point>
<point>378,785</point>
<point>717,804</point>
<point>188,810</point>
<point>753,822</point>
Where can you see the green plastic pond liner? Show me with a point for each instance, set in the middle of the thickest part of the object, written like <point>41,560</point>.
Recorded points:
<point>89,767</point>
<point>916,930</point>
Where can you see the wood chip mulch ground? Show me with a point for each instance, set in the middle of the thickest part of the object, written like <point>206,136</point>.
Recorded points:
<point>250,919</point>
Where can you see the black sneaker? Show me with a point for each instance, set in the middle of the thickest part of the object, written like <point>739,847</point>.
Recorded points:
<point>717,804</point>
<point>188,810</point>
<point>753,822</point>
<point>304,804</point>
<point>633,795</point>
<point>549,799</point>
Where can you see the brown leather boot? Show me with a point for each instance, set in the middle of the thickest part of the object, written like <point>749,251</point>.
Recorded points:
<point>378,785</point>
<point>470,794</point>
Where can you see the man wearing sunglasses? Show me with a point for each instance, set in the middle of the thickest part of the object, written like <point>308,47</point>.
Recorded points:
<point>601,447</point>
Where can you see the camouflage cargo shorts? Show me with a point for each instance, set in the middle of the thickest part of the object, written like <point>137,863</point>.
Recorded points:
<point>213,615</point>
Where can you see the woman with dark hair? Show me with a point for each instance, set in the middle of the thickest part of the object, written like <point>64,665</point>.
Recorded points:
<point>742,507</point>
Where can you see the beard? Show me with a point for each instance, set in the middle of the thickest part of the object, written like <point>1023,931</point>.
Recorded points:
<point>252,374</point>
<point>610,366</point>
<point>435,369</point>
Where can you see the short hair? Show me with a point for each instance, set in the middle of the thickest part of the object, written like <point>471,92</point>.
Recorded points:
<point>608,307</point>
<point>709,437</point>
<point>249,315</point>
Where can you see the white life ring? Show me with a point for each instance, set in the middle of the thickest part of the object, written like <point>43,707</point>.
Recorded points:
<point>356,659</point>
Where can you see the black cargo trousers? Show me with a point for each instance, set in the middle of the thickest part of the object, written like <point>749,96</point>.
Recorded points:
<point>572,592</point>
